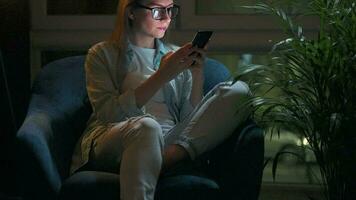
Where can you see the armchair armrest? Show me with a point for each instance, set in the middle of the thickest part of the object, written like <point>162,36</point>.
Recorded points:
<point>57,115</point>
<point>38,174</point>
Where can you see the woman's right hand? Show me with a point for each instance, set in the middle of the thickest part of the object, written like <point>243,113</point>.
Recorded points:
<point>174,63</point>
<point>171,65</point>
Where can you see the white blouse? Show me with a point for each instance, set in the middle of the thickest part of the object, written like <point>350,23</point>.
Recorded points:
<point>141,68</point>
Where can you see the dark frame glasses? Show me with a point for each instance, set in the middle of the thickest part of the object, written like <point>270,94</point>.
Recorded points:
<point>158,13</point>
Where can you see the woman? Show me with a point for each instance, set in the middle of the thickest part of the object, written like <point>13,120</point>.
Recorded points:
<point>147,99</point>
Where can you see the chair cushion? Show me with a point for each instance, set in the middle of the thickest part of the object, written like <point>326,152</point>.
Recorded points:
<point>90,185</point>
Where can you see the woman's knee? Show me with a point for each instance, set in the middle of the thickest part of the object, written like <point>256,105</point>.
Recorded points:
<point>235,92</point>
<point>143,131</point>
<point>143,128</point>
<point>236,97</point>
<point>240,88</point>
<point>149,124</point>
<point>149,129</point>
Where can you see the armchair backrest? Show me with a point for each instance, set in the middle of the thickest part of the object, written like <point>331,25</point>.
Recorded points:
<point>214,73</point>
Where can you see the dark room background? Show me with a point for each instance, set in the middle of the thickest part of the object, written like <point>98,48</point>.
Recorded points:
<point>14,84</point>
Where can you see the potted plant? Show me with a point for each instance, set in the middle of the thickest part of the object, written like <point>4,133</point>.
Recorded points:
<point>313,81</point>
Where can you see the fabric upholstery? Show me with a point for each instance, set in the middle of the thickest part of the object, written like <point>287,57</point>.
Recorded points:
<point>214,73</point>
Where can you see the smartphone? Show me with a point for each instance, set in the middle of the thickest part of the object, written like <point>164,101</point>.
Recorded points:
<point>201,38</point>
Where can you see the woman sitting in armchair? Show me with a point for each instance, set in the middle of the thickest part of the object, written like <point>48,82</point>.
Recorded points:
<point>149,112</point>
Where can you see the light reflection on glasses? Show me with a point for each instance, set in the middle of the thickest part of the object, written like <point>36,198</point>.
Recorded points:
<point>159,13</point>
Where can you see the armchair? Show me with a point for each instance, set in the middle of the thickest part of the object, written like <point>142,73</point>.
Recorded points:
<point>57,115</point>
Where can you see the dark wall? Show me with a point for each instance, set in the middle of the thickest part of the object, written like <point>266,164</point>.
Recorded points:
<point>14,46</point>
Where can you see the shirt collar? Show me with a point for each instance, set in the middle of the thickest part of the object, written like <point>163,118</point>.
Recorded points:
<point>161,50</point>
<point>160,47</point>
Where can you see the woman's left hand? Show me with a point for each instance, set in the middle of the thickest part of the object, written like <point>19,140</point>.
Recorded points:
<point>198,56</point>
<point>197,69</point>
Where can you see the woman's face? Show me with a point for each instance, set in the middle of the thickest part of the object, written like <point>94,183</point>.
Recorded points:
<point>143,22</point>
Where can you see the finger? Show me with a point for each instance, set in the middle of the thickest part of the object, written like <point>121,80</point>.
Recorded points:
<point>196,61</point>
<point>184,54</point>
<point>168,54</point>
<point>187,45</point>
<point>199,62</point>
<point>200,59</point>
<point>185,48</point>
<point>195,52</point>
<point>201,51</point>
<point>191,51</point>
<point>198,54</point>
<point>189,61</point>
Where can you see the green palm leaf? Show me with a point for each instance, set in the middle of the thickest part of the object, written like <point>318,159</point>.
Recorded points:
<point>308,86</point>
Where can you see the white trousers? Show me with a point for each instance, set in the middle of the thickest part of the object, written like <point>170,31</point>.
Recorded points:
<point>135,147</point>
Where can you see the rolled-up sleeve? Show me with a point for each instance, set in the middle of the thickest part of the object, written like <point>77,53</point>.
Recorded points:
<point>103,90</point>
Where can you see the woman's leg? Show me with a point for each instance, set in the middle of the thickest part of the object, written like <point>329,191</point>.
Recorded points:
<point>212,122</point>
<point>136,146</point>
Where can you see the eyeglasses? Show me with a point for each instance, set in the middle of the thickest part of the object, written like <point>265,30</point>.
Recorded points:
<point>159,13</point>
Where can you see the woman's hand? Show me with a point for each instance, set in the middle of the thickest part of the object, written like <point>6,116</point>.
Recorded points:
<point>198,56</point>
<point>174,63</point>
<point>197,69</point>
<point>171,65</point>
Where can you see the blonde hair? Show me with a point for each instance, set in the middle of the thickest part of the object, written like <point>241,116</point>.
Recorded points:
<point>121,30</point>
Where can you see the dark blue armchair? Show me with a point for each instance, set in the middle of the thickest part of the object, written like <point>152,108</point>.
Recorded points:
<point>57,115</point>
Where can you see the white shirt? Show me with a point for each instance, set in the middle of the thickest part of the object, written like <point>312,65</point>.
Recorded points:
<point>141,68</point>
